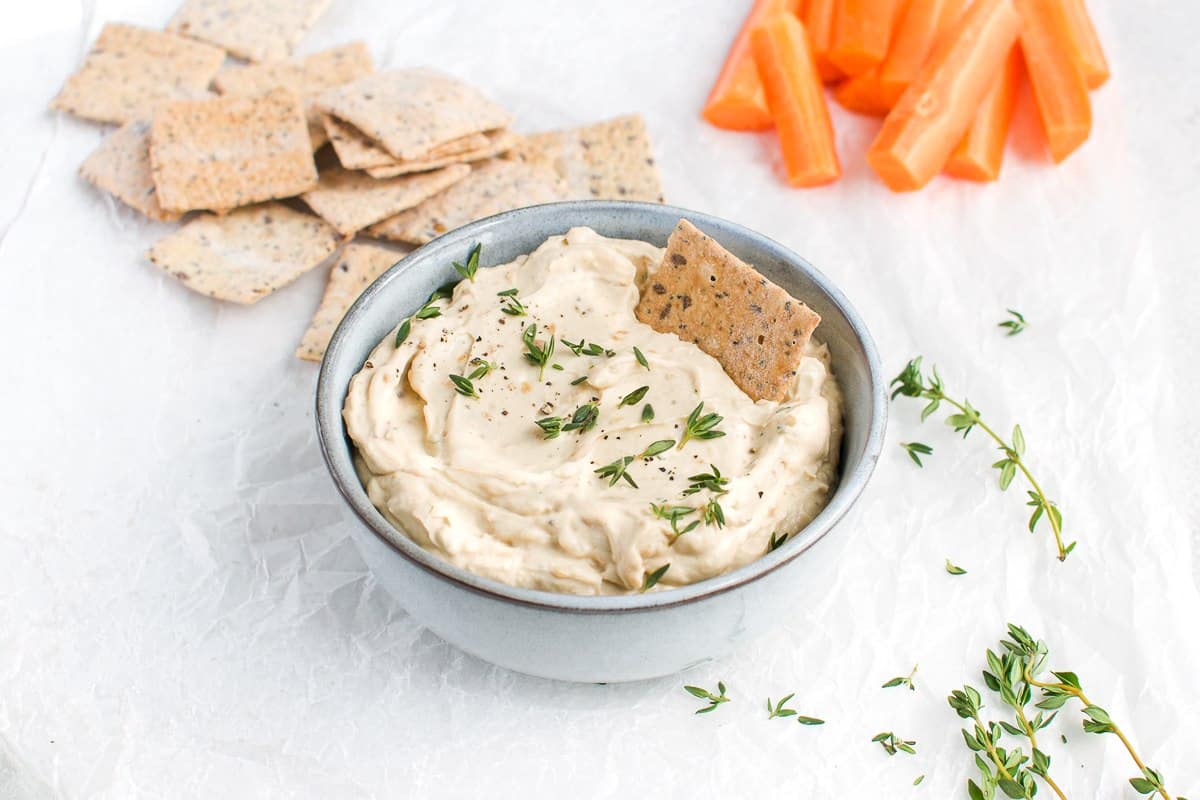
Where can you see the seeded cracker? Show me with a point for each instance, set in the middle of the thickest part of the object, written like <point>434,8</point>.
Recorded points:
<point>706,295</point>
<point>610,160</point>
<point>409,112</point>
<point>356,151</point>
<point>307,77</point>
<point>131,70</point>
<point>245,255</point>
<point>350,201</point>
<point>121,167</point>
<point>493,186</point>
<point>359,265</point>
<point>231,151</point>
<point>494,143</point>
<point>257,30</point>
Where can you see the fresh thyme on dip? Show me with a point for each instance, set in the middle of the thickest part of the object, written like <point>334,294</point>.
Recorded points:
<point>511,434</point>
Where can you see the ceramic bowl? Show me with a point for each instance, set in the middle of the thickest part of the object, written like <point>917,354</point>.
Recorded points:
<point>613,638</point>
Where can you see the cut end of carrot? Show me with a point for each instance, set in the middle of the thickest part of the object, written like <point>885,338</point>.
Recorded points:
<point>970,169</point>
<point>892,170</point>
<point>737,114</point>
<point>863,95</point>
<point>1066,140</point>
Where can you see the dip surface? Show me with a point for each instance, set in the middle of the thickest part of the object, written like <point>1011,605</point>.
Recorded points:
<point>475,480</point>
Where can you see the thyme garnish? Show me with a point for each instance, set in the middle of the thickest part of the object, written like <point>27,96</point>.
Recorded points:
<point>712,481</point>
<point>657,448</point>
<point>510,304</point>
<point>647,413</point>
<point>579,380</point>
<point>893,744</point>
<point>1014,325</point>
<point>916,450</point>
<point>427,311</point>
<point>464,386</point>
<point>673,514</point>
<point>538,355</point>
<point>641,357</point>
<point>582,348</point>
<point>903,681</point>
<point>634,397</point>
<point>780,709</point>
<point>912,383</point>
<point>776,543</point>
<point>714,700</point>
<point>713,513</point>
<point>954,569</point>
<point>551,426</point>
<point>803,720</point>
<point>701,427</point>
<point>654,577</point>
<point>469,269</point>
<point>584,418</point>
<point>617,471</point>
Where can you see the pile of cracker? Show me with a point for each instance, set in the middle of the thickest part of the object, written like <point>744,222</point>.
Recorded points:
<point>275,165</point>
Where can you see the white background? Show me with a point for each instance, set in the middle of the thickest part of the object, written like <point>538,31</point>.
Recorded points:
<point>183,615</point>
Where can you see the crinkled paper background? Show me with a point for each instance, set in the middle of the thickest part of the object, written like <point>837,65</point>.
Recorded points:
<point>182,613</point>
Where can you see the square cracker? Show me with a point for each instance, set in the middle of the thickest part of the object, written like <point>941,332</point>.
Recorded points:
<point>130,70</point>
<point>306,76</point>
<point>705,294</point>
<point>257,30</point>
<point>494,143</point>
<point>497,185</point>
<point>350,201</point>
<point>409,112</point>
<point>355,151</point>
<point>610,160</point>
<point>357,267</point>
<point>121,167</point>
<point>231,151</point>
<point>247,254</point>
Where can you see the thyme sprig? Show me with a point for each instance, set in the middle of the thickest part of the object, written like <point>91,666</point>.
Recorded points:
<point>464,386</point>
<point>584,348</point>
<point>427,311</point>
<point>911,382</point>
<point>654,577</point>
<point>468,270</point>
<point>1011,674</point>
<point>537,354</point>
<point>701,426</point>
<point>892,744</point>
<point>510,304</point>
<point>714,698</point>
<point>780,709</point>
<point>673,515</point>
<point>916,450</point>
<point>617,470</point>
<point>776,542</point>
<point>583,420</point>
<point>904,680</point>
<point>1014,325</point>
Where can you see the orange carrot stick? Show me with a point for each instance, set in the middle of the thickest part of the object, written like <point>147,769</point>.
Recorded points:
<point>861,35</point>
<point>1087,43</point>
<point>935,112</point>
<point>980,153</point>
<point>736,101</point>
<point>797,101</point>
<point>819,18</point>
<point>923,25</point>
<point>863,94</point>
<point>1059,88</point>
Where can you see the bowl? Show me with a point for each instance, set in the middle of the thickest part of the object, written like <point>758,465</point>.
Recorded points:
<point>610,638</point>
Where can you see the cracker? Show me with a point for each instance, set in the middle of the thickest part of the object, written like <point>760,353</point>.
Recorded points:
<point>305,76</point>
<point>350,201</point>
<point>494,143</point>
<point>497,185</point>
<point>358,266</point>
<point>410,112</point>
<point>610,160</point>
<point>245,255</point>
<point>231,151</point>
<point>706,295</point>
<point>356,151</point>
<point>121,167</point>
<point>130,70</point>
<point>257,30</point>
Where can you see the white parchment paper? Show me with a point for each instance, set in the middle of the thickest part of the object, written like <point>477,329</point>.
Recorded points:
<point>182,613</point>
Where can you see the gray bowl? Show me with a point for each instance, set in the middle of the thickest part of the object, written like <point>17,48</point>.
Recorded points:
<point>595,639</point>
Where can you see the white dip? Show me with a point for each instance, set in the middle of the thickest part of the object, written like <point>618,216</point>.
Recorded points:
<point>477,482</point>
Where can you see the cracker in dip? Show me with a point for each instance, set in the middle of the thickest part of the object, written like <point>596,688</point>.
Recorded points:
<point>536,474</point>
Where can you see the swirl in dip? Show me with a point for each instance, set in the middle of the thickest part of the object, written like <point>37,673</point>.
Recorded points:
<point>477,481</point>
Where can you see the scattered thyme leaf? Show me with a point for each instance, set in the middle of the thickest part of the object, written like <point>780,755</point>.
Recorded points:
<point>468,270</point>
<point>905,680</point>
<point>579,380</point>
<point>713,481</point>
<point>403,331</point>
<point>954,569</point>
<point>780,709</point>
<point>483,368</point>
<point>538,355</point>
<point>916,450</point>
<point>701,426</point>
<point>1014,325</point>
<point>510,304</point>
<point>617,471</point>
<point>810,720</point>
<point>551,426</point>
<point>714,698</point>
<point>657,448</point>
<point>584,418</point>
<point>464,386</point>
<point>893,744</point>
<point>917,781</point>
<point>647,413</point>
<point>641,357</point>
<point>776,542</point>
<point>634,397</point>
<point>654,577</point>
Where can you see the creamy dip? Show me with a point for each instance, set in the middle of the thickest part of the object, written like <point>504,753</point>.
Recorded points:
<point>476,481</point>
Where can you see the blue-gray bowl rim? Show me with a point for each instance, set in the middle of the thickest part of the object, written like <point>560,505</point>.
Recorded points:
<point>336,448</point>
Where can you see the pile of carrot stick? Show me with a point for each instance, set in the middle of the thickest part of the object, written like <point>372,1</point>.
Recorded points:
<point>944,75</point>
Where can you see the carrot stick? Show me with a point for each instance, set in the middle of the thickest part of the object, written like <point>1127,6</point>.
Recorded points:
<point>819,18</point>
<point>923,25</point>
<point>1059,88</point>
<point>797,101</point>
<point>736,101</point>
<point>935,112</point>
<point>863,94</point>
<point>980,153</point>
<point>861,35</point>
<point>1087,44</point>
